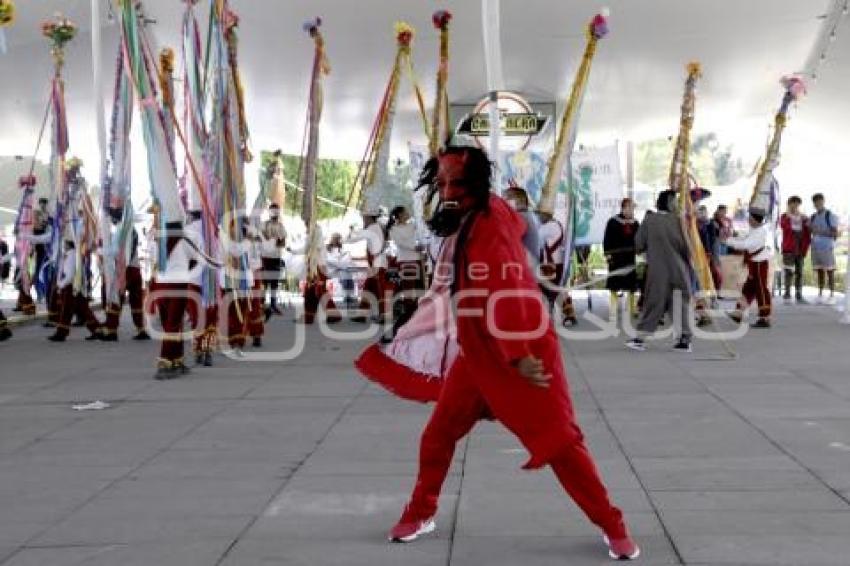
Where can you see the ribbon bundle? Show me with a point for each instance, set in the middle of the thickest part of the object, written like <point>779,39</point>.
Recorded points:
<point>23,228</point>
<point>60,32</point>
<point>200,187</point>
<point>116,188</point>
<point>373,171</point>
<point>228,135</point>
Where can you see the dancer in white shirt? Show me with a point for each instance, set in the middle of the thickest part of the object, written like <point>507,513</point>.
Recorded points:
<point>758,250</point>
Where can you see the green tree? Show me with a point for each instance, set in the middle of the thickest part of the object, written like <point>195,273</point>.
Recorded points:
<point>711,163</point>
<point>335,178</point>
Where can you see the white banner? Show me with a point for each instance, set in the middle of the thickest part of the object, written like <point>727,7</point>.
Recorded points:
<point>598,187</point>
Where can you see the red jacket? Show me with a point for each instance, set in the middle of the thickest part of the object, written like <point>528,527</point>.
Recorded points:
<point>496,282</point>
<point>789,246</point>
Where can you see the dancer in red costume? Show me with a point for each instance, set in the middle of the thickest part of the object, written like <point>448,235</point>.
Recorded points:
<point>499,358</point>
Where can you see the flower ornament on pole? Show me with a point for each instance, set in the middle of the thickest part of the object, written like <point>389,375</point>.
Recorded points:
<point>404,33</point>
<point>794,86</point>
<point>599,25</point>
<point>7,20</point>
<point>60,30</point>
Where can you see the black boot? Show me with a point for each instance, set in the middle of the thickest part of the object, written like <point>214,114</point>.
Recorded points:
<point>257,342</point>
<point>5,334</point>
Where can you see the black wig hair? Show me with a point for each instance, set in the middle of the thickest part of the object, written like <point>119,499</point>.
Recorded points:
<point>665,200</point>
<point>394,214</point>
<point>477,174</point>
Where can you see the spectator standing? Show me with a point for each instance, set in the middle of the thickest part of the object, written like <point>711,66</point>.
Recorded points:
<point>824,226</point>
<point>796,239</point>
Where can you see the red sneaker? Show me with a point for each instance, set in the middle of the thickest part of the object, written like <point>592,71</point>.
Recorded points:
<point>622,548</point>
<point>409,527</point>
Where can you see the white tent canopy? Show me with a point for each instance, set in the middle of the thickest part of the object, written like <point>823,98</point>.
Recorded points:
<point>634,91</point>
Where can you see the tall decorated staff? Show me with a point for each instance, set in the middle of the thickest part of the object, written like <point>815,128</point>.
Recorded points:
<point>194,116</point>
<point>7,20</point>
<point>309,214</point>
<point>372,176</point>
<point>200,188</point>
<point>141,70</point>
<point>440,129</point>
<point>596,30</point>
<point>227,147</point>
<point>765,192</point>
<point>59,31</point>
<point>82,221</point>
<point>681,181</point>
<point>117,211</point>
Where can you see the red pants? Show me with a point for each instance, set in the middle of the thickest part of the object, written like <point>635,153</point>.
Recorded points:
<point>135,288</point>
<point>69,303</point>
<point>460,406</point>
<point>53,305</point>
<point>756,288</point>
<point>25,303</point>
<point>567,308</point>
<point>172,309</point>
<point>256,313</point>
<point>237,318</point>
<point>314,293</point>
<point>380,290</point>
<point>410,274</point>
<point>193,305</point>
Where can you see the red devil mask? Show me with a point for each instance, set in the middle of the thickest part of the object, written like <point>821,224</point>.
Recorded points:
<point>451,179</point>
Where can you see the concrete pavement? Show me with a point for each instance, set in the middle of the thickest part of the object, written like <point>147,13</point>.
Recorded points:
<point>304,463</point>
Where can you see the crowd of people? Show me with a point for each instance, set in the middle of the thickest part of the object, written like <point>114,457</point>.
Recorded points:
<point>222,291</point>
<point>225,294</point>
<point>669,281</point>
<point>397,264</point>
